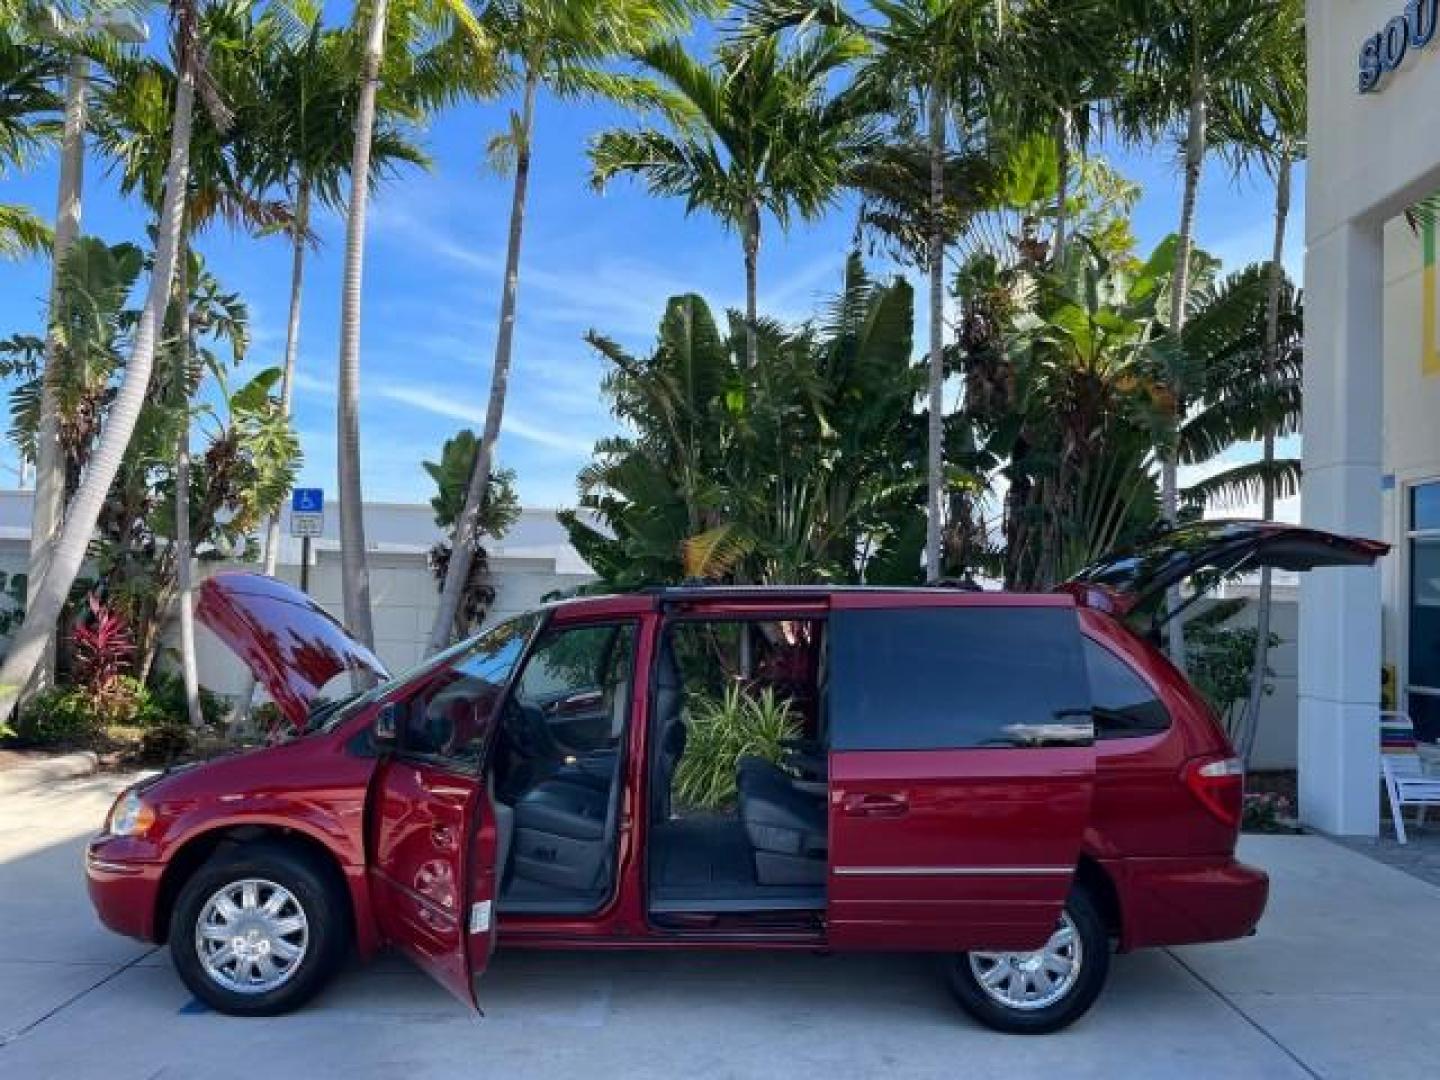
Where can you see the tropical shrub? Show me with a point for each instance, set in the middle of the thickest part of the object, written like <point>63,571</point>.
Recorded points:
<point>720,731</point>
<point>59,717</point>
<point>166,743</point>
<point>164,703</point>
<point>102,650</point>
<point>1221,659</point>
<point>1267,812</point>
<point>500,511</point>
<point>804,466</point>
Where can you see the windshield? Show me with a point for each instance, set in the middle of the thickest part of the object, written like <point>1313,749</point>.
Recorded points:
<point>494,652</point>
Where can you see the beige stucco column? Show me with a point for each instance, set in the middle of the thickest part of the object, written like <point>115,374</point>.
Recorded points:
<point>1340,608</point>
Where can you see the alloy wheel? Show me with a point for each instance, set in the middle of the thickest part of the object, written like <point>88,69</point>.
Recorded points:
<point>252,936</point>
<point>1032,980</point>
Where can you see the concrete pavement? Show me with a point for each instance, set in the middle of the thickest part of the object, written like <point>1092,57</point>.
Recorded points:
<point>1341,982</point>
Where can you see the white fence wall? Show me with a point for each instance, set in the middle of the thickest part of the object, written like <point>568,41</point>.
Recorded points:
<point>403,598</point>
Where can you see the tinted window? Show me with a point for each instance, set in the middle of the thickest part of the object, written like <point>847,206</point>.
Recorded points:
<point>948,678</point>
<point>1125,706</point>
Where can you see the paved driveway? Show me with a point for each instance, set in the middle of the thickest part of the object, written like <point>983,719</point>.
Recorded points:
<point>1342,981</point>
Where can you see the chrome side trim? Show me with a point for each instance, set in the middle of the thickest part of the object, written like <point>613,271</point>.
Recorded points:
<point>105,866</point>
<point>951,871</point>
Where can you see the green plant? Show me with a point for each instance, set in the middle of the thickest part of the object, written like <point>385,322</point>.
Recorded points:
<point>803,467</point>
<point>1267,812</point>
<point>1221,658</point>
<point>59,717</point>
<point>720,732</point>
<point>163,744</point>
<point>165,702</point>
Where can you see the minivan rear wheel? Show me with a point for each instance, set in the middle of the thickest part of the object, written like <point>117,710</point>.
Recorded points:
<point>258,930</point>
<point>1044,990</point>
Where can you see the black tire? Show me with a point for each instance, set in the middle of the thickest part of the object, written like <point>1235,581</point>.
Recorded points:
<point>1094,966</point>
<point>319,899</point>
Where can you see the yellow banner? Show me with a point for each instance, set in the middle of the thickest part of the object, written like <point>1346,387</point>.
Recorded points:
<point>1430,344</point>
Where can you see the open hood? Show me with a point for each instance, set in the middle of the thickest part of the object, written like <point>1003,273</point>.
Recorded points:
<point>291,644</point>
<point>1126,580</point>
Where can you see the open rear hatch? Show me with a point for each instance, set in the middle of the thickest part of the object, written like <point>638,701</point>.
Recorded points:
<point>291,644</point>
<point>1131,579</point>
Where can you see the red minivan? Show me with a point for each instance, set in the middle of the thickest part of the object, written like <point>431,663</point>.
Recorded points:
<point>1021,783</point>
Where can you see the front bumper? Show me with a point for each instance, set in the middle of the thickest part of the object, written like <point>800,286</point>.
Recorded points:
<point>1184,901</point>
<point>123,885</point>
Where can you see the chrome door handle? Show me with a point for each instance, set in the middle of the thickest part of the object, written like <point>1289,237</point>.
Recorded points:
<point>876,805</point>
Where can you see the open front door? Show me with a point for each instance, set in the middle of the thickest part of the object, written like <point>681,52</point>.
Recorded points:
<point>433,871</point>
<point>961,771</point>
<point>435,856</point>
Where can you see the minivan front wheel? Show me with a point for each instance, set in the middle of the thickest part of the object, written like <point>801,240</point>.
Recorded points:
<point>1044,990</point>
<point>257,931</point>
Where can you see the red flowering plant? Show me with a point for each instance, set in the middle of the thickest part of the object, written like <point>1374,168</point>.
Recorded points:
<point>103,649</point>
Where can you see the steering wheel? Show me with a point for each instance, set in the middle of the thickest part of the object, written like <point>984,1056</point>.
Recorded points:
<point>528,732</point>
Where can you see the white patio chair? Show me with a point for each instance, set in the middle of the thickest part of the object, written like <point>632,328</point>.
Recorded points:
<point>1407,781</point>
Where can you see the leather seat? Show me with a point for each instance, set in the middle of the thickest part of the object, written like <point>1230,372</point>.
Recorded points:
<point>560,835</point>
<point>572,810</point>
<point>786,826</point>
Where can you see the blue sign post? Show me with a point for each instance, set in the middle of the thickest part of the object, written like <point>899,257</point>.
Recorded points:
<point>307,520</point>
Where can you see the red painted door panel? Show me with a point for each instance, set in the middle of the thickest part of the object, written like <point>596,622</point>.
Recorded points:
<point>954,849</point>
<point>962,770</point>
<point>432,870</point>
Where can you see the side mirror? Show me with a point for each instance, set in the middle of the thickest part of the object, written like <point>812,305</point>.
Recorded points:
<point>386,728</point>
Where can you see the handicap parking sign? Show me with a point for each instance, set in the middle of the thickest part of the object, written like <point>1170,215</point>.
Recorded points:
<point>307,500</point>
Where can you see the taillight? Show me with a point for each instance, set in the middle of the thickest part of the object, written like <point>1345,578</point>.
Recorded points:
<point>1219,784</point>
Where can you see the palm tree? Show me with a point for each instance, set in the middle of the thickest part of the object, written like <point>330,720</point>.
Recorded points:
<point>129,126</point>
<point>1195,61</point>
<point>1059,71</point>
<point>754,133</point>
<point>933,59</point>
<point>466,58</point>
<point>296,134</point>
<point>1276,132</point>
<point>29,642</point>
<point>559,45</point>
<point>29,70</point>
<point>33,117</point>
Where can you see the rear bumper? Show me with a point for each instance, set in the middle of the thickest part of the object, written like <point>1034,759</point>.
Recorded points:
<point>122,888</point>
<point>1187,900</point>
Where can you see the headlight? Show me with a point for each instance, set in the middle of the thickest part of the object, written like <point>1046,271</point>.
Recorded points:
<point>130,816</point>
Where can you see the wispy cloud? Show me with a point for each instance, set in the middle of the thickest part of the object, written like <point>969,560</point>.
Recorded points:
<point>436,403</point>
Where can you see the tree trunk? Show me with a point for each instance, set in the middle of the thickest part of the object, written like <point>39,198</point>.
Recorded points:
<point>935,458</point>
<point>1179,296</point>
<point>751,242</point>
<point>298,230</point>
<point>49,454</point>
<point>299,227</point>
<point>41,616</point>
<point>1063,135</point>
<point>467,527</point>
<point>184,557</point>
<point>353,567</point>
<point>1250,722</point>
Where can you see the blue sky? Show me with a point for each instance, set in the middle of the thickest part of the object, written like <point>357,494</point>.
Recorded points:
<point>608,262</point>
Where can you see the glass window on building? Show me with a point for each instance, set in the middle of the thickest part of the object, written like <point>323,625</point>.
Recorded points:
<point>1423,677</point>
